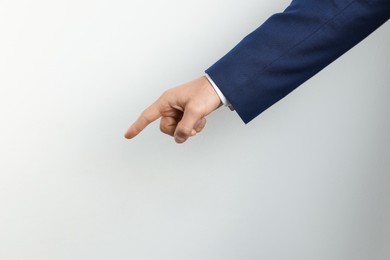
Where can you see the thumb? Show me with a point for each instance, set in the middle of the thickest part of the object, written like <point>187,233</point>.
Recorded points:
<point>185,127</point>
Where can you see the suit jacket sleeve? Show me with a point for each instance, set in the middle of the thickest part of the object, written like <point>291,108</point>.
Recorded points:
<point>290,47</point>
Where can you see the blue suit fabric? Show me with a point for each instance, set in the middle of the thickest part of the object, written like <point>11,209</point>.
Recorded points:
<point>290,47</point>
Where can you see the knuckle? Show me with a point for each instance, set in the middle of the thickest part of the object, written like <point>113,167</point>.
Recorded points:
<point>167,129</point>
<point>163,129</point>
<point>166,93</point>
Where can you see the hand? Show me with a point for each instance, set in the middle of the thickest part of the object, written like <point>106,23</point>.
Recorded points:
<point>182,110</point>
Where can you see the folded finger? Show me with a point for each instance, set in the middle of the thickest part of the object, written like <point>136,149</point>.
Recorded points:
<point>168,125</point>
<point>200,125</point>
<point>185,127</point>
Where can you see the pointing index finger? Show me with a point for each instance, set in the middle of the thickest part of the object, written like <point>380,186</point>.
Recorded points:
<point>151,114</point>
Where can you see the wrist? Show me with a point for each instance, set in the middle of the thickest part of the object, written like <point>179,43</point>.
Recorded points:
<point>214,95</point>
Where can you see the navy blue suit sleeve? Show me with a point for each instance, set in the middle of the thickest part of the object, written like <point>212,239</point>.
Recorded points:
<point>290,47</point>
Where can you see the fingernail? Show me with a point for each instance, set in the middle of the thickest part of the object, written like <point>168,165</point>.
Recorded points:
<point>197,123</point>
<point>180,139</point>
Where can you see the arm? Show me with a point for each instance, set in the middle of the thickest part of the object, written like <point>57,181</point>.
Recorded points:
<point>284,52</point>
<point>291,47</point>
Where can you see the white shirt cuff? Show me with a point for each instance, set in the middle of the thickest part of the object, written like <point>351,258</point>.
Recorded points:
<point>221,96</point>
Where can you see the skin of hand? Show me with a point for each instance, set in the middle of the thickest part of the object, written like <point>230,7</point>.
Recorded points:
<point>182,110</point>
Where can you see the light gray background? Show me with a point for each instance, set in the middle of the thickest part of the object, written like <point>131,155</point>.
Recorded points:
<point>308,179</point>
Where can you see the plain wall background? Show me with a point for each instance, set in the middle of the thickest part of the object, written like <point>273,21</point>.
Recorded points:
<point>308,179</point>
